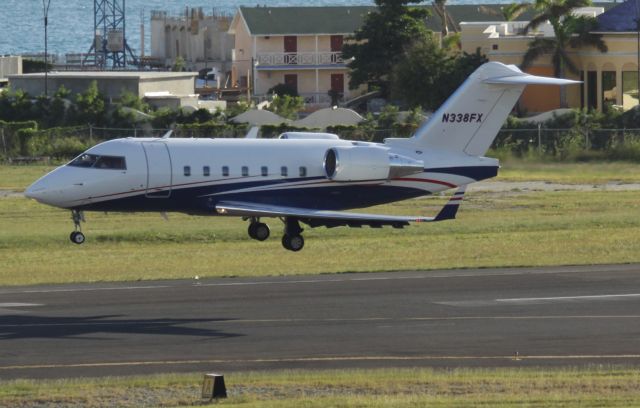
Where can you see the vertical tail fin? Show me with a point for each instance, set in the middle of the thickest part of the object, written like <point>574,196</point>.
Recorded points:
<point>470,119</point>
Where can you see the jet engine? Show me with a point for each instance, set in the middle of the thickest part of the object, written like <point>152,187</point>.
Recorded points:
<point>362,163</point>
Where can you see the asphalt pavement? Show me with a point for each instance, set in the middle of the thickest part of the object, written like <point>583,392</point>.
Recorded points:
<point>557,316</point>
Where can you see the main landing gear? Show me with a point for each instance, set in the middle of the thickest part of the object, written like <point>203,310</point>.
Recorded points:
<point>258,230</point>
<point>291,240</point>
<point>77,237</point>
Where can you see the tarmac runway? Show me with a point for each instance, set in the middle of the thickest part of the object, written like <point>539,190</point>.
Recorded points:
<point>558,316</point>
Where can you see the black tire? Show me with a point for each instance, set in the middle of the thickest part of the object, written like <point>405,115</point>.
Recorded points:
<point>296,243</point>
<point>261,231</point>
<point>285,242</point>
<point>77,237</point>
<point>252,230</point>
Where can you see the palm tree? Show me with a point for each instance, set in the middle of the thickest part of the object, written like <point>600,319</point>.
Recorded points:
<point>439,6</point>
<point>570,32</point>
<point>508,12</point>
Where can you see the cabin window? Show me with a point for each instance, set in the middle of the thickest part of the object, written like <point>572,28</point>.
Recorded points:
<point>283,171</point>
<point>225,171</point>
<point>187,171</point>
<point>303,171</point>
<point>206,171</point>
<point>264,170</point>
<point>245,171</point>
<point>99,162</point>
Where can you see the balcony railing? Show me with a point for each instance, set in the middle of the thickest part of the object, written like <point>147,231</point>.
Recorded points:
<point>268,59</point>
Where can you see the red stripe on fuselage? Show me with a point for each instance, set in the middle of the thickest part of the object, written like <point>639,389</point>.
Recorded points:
<point>419,180</point>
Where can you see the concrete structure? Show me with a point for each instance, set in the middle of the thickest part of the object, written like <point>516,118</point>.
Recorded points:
<point>201,40</point>
<point>111,83</point>
<point>9,65</point>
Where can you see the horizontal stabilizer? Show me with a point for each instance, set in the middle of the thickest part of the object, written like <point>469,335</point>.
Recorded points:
<point>529,80</point>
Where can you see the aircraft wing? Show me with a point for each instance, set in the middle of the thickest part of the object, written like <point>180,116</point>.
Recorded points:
<point>317,218</point>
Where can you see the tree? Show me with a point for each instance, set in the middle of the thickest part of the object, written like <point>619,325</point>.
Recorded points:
<point>283,89</point>
<point>90,106</point>
<point>509,12</point>
<point>286,106</point>
<point>428,74</point>
<point>179,64</point>
<point>569,32</point>
<point>440,7</point>
<point>379,44</point>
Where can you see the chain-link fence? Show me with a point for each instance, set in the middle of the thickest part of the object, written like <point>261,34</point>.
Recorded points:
<point>556,142</point>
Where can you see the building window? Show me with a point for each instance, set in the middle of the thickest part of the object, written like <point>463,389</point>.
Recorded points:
<point>225,171</point>
<point>187,171</point>
<point>206,171</point>
<point>283,171</point>
<point>291,80</point>
<point>629,89</point>
<point>264,170</point>
<point>245,171</point>
<point>609,89</point>
<point>303,171</point>
<point>494,47</point>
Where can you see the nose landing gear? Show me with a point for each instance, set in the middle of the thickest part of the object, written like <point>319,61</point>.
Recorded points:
<point>77,237</point>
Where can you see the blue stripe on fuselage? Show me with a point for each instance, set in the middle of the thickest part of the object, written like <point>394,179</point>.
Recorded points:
<point>202,199</point>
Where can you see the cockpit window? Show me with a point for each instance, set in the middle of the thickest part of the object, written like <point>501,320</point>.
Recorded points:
<point>99,162</point>
<point>84,160</point>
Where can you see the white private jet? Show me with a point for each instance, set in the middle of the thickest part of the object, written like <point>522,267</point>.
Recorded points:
<point>308,178</point>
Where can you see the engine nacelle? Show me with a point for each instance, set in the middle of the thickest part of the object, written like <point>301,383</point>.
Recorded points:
<point>362,163</point>
<point>356,163</point>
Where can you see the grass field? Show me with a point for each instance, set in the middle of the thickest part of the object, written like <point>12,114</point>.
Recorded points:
<point>492,230</point>
<point>596,387</point>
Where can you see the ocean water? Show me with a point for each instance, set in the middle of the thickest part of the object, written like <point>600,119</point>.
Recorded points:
<point>71,21</point>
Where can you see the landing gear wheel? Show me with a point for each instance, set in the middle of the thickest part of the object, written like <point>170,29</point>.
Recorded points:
<point>77,237</point>
<point>293,242</point>
<point>259,231</point>
<point>285,242</point>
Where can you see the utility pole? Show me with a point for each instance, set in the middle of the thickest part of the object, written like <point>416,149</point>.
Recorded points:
<point>45,10</point>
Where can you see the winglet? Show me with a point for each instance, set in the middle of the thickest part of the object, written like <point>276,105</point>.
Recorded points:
<point>450,209</point>
<point>168,134</point>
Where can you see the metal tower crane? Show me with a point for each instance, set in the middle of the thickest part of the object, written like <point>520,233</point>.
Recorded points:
<point>109,48</point>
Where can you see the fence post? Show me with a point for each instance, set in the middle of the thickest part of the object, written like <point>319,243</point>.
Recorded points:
<point>4,143</point>
<point>135,132</point>
<point>586,139</point>
<point>90,133</point>
<point>539,138</point>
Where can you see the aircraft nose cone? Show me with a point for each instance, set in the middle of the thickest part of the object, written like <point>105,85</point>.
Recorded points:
<point>35,191</point>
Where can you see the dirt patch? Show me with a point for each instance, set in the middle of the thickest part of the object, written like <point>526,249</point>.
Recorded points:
<point>10,193</point>
<point>533,186</point>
